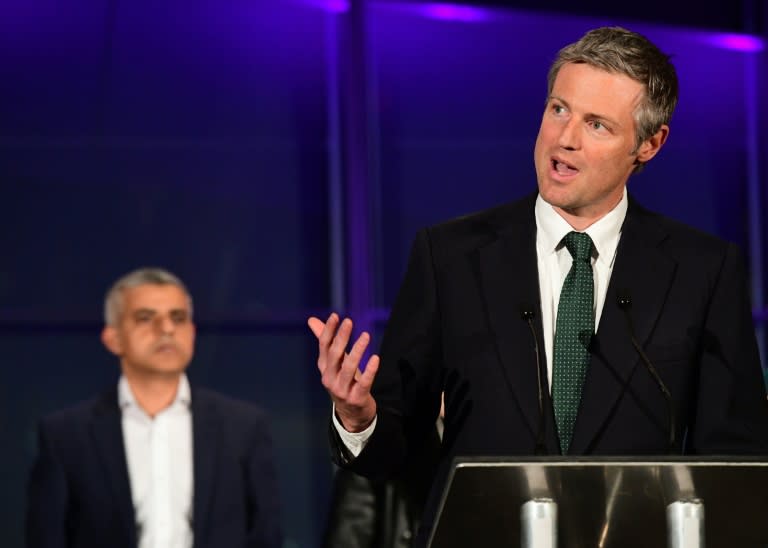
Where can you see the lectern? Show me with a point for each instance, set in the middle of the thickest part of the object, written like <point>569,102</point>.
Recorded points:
<point>554,502</point>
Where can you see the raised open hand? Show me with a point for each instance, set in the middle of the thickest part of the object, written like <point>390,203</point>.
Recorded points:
<point>349,389</point>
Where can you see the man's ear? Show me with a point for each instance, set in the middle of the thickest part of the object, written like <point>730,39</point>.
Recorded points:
<point>653,144</point>
<point>111,340</point>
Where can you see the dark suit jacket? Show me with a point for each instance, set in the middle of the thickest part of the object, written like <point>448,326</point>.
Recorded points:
<point>456,325</point>
<point>365,513</point>
<point>79,490</point>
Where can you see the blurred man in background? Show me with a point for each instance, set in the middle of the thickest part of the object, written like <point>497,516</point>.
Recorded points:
<point>153,462</point>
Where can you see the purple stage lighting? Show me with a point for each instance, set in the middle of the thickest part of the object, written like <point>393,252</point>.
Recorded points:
<point>737,42</point>
<point>453,12</point>
<point>333,6</point>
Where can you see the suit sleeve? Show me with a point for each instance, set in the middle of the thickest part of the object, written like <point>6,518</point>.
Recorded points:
<point>47,497</point>
<point>263,501</point>
<point>408,384</point>
<point>731,410</point>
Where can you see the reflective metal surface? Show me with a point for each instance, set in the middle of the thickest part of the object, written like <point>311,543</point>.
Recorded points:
<point>538,524</point>
<point>603,503</point>
<point>685,524</point>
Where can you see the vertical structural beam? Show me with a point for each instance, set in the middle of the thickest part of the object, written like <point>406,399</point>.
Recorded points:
<point>335,186</point>
<point>754,198</point>
<point>356,156</point>
<point>753,116</point>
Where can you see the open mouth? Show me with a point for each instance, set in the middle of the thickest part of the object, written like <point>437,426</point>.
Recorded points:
<point>562,168</point>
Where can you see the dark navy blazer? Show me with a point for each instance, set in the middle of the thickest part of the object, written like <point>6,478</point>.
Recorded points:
<point>79,491</point>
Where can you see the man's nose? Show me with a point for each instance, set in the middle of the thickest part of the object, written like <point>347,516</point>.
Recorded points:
<point>165,324</point>
<point>570,137</point>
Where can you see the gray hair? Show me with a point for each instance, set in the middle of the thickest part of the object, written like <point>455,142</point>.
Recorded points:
<point>618,50</point>
<point>113,302</point>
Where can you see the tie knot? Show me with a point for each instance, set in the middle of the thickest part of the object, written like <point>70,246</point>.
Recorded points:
<point>579,246</point>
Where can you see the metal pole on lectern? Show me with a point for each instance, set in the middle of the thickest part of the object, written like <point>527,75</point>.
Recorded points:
<point>538,524</point>
<point>685,524</point>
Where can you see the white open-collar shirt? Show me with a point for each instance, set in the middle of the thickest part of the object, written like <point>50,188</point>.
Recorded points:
<point>159,455</point>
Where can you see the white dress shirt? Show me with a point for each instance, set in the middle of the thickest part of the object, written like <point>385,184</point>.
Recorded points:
<point>554,262</point>
<point>159,455</point>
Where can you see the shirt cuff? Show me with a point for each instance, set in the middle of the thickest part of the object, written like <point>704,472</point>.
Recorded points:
<point>354,441</point>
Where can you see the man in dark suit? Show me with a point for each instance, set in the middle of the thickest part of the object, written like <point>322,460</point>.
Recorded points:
<point>153,462</point>
<point>573,321</point>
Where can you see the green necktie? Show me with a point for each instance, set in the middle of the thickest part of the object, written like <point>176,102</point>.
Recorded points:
<point>573,332</point>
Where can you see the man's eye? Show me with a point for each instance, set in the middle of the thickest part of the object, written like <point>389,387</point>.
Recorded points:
<point>179,317</point>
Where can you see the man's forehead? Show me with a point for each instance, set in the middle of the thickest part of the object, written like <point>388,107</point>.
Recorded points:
<point>597,91</point>
<point>155,297</point>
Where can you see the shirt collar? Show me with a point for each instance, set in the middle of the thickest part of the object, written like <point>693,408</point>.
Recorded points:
<point>125,397</point>
<point>605,232</point>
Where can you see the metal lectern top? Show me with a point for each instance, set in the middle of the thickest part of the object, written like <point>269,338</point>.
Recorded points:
<point>602,502</point>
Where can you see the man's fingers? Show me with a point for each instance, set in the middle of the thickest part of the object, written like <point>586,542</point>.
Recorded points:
<point>349,369</point>
<point>316,325</point>
<point>356,352</point>
<point>361,389</point>
<point>329,330</point>
<point>324,338</point>
<point>338,346</point>
<point>330,341</point>
<point>365,381</point>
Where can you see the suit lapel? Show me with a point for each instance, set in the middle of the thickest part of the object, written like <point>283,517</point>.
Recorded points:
<point>107,435</point>
<point>509,277</point>
<point>205,435</point>
<point>645,273</point>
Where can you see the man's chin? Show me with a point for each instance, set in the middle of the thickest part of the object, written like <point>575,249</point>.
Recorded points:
<point>161,371</point>
<point>170,369</point>
<point>556,199</point>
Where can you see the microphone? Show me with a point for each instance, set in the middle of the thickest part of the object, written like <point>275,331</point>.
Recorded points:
<point>527,315</point>
<point>624,300</point>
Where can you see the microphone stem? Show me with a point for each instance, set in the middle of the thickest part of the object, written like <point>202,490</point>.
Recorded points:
<point>657,380</point>
<point>541,448</point>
